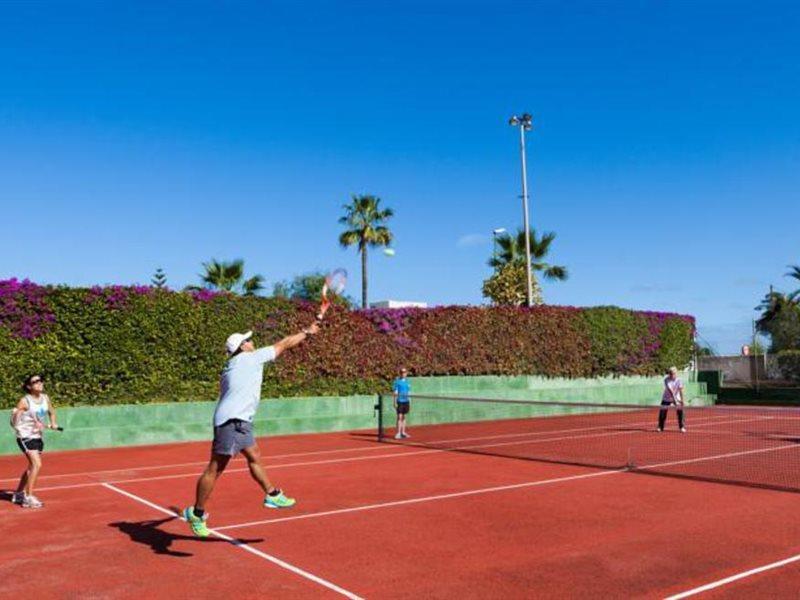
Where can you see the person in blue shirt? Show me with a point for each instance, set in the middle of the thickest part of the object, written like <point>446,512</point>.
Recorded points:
<point>401,389</point>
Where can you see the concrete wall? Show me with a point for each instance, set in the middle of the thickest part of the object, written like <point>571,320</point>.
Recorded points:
<point>742,369</point>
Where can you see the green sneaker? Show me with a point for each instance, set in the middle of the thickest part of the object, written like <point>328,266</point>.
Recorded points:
<point>279,501</point>
<point>198,524</point>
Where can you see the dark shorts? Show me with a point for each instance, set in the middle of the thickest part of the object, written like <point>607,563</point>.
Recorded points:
<point>403,408</point>
<point>28,444</point>
<point>232,437</point>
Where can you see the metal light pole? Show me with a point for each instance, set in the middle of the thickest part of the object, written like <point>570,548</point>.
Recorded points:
<point>495,233</point>
<point>525,123</point>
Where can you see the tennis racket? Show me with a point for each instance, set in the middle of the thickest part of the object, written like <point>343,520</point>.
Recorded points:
<point>41,427</point>
<point>334,285</point>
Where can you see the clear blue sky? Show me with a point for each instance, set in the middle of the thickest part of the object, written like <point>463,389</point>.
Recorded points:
<point>666,153</point>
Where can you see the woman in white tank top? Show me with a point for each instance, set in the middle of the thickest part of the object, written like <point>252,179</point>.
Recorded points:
<point>28,421</point>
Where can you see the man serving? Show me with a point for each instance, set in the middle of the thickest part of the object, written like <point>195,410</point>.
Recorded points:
<point>240,394</point>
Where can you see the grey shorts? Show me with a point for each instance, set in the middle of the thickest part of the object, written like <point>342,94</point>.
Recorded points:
<point>232,437</point>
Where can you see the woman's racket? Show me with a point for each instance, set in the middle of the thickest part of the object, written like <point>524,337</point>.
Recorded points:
<point>334,285</point>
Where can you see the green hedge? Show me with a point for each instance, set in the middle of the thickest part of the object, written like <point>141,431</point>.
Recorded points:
<point>139,344</point>
<point>789,364</point>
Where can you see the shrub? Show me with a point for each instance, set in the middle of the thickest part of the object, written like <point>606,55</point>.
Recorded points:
<point>143,344</point>
<point>789,364</point>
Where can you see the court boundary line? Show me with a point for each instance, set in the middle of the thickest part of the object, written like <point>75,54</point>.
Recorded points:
<point>340,450</point>
<point>472,492</point>
<point>526,484</point>
<point>396,454</point>
<point>246,547</point>
<point>738,576</point>
<point>402,454</point>
<point>174,465</point>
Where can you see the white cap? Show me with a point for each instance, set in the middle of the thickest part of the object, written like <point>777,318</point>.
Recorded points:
<point>235,340</point>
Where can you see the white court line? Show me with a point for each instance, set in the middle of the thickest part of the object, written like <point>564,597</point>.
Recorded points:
<point>473,492</point>
<point>246,547</point>
<point>397,454</point>
<point>508,487</point>
<point>732,578</point>
<point>335,451</point>
<point>188,464</point>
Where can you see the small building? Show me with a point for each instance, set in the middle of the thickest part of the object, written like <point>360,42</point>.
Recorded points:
<point>397,304</point>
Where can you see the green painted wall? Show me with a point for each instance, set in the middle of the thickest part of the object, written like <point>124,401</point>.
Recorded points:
<point>129,425</point>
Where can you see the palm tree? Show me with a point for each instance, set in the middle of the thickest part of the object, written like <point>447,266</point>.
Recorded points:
<point>772,305</point>
<point>228,276</point>
<point>365,220</point>
<point>794,271</point>
<point>512,250</point>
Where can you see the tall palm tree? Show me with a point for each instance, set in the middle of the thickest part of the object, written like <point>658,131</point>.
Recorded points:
<point>228,276</point>
<point>365,227</point>
<point>512,250</point>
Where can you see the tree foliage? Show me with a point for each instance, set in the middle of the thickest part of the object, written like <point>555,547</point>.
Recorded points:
<point>365,227</point>
<point>307,286</point>
<point>229,277</point>
<point>508,286</point>
<point>780,316</point>
<point>159,279</point>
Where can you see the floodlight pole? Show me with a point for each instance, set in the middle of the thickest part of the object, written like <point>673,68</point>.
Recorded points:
<point>525,123</point>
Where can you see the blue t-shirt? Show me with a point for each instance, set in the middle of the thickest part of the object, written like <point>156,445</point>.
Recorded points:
<point>402,388</point>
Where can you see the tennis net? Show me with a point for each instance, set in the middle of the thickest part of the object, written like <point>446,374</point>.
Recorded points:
<point>751,446</point>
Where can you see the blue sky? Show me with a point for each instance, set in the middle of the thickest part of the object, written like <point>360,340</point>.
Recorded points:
<point>665,153</point>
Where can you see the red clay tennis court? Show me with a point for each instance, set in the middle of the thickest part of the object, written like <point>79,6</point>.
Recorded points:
<point>425,517</point>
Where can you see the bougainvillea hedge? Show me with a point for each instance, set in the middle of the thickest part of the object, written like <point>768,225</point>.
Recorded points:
<point>140,344</point>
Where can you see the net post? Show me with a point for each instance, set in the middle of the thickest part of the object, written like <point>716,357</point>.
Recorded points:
<point>379,409</point>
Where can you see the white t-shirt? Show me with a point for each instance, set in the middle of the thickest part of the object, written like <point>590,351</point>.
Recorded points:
<point>674,385</point>
<point>27,419</point>
<point>240,385</point>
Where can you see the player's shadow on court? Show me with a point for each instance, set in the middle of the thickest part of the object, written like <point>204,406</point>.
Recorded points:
<point>150,534</point>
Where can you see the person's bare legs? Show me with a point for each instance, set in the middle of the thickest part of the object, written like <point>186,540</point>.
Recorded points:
<point>35,460</point>
<point>205,484</point>
<point>257,472</point>
<point>23,481</point>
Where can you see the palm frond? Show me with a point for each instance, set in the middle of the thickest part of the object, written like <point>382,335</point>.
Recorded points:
<point>556,273</point>
<point>253,285</point>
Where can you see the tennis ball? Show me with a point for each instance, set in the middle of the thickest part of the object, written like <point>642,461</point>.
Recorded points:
<point>388,251</point>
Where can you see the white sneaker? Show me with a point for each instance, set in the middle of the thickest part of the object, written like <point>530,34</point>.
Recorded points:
<point>405,435</point>
<point>18,498</point>
<point>32,502</point>
<point>398,436</point>
<point>683,429</point>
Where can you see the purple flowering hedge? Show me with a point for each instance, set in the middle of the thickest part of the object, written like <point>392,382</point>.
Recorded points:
<point>140,344</point>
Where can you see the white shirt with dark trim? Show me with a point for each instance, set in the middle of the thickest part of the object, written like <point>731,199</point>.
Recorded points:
<point>675,386</point>
<point>240,385</point>
<point>27,419</point>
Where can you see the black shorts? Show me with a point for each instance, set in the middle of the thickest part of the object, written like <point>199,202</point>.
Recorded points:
<point>28,444</point>
<point>403,408</point>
